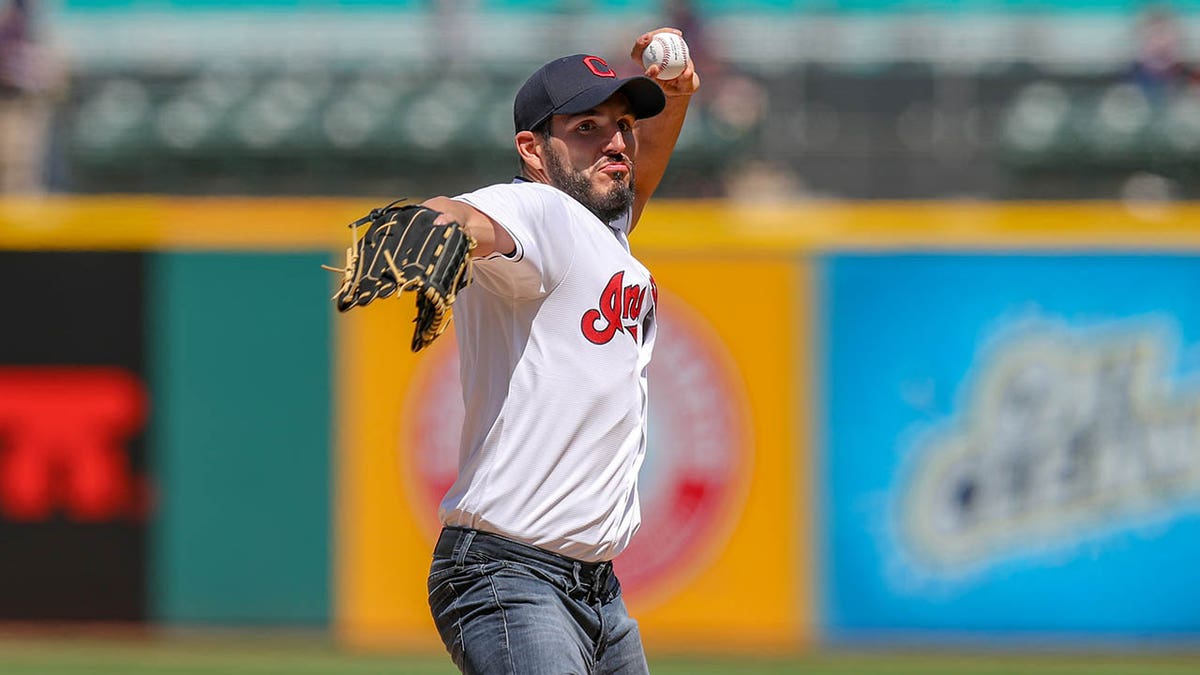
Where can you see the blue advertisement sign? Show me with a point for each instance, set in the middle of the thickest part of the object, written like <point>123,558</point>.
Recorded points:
<point>1012,444</point>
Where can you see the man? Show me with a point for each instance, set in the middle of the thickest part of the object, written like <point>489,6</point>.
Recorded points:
<point>555,335</point>
<point>31,78</point>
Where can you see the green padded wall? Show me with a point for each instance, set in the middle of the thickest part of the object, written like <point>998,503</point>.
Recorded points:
<point>240,440</point>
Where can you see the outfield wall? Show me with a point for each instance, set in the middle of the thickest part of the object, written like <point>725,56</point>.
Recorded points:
<point>886,421</point>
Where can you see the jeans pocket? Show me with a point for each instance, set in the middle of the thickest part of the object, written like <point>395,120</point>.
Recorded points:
<point>441,569</point>
<point>443,599</point>
<point>558,580</point>
<point>445,576</point>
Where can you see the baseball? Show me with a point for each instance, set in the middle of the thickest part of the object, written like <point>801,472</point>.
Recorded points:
<point>669,51</point>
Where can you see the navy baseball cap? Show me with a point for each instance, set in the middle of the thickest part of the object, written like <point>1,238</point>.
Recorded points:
<point>578,83</point>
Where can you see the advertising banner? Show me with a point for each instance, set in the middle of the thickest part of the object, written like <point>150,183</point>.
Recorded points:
<point>73,414</point>
<point>1012,444</point>
<point>717,562</point>
<point>115,362</point>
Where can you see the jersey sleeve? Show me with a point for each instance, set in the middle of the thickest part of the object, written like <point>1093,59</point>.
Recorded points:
<point>540,226</point>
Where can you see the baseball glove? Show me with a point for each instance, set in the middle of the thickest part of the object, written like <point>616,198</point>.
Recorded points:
<point>402,250</point>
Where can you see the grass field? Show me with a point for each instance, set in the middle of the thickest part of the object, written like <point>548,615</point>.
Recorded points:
<point>91,655</point>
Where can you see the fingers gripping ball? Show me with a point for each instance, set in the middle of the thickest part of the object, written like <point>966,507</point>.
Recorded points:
<point>403,250</point>
<point>669,52</point>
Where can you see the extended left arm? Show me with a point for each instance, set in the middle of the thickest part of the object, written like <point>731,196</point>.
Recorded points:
<point>657,135</point>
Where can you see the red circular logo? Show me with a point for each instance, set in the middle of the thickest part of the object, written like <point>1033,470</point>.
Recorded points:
<point>693,480</point>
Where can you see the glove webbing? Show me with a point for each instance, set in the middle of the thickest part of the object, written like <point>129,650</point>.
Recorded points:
<point>349,278</point>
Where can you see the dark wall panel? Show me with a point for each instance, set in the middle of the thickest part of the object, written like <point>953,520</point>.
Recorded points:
<point>74,497</point>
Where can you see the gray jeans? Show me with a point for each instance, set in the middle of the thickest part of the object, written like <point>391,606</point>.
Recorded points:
<point>504,607</point>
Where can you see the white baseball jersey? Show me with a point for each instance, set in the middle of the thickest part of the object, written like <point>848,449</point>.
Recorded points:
<point>554,342</point>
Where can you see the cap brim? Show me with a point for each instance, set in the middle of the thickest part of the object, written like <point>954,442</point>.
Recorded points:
<point>646,98</point>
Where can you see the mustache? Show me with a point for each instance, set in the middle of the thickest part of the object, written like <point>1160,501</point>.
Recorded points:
<point>616,159</point>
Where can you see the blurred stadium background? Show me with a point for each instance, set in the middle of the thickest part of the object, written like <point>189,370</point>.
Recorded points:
<point>931,272</point>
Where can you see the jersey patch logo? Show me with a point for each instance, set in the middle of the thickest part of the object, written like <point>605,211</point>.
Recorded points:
<point>620,309</point>
<point>598,66</point>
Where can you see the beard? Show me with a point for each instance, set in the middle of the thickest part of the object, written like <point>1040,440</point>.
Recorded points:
<point>607,206</point>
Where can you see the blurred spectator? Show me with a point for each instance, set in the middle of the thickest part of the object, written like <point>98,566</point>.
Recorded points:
<point>758,182</point>
<point>30,80</point>
<point>734,104</point>
<point>450,20</point>
<point>1159,68</point>
<point>682,15</point>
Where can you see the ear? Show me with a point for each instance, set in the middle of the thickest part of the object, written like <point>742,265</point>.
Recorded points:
<point>529,147</point>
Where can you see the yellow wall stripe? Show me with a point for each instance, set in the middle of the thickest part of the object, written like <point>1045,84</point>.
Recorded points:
<point>137,222</point>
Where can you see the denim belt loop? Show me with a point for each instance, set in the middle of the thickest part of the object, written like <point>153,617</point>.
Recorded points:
<point>576,567</point>
<point>599,577</point>
<point>462,546</point>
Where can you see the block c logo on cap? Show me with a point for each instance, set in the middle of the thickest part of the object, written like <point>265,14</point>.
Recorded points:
<point>598,66</point>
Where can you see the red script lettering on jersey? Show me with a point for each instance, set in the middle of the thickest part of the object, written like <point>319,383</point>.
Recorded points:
<point>619,311</point>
